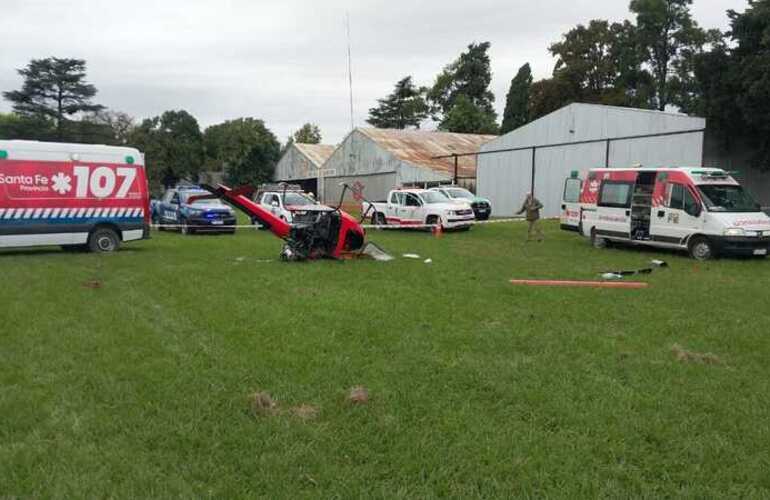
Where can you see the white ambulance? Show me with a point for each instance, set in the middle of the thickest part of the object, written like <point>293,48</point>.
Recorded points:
<point>704,211</point>
<point>75,195</point>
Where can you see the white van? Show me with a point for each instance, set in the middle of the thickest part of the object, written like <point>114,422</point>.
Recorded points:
<point>74,195</point>
<point>704,211</point>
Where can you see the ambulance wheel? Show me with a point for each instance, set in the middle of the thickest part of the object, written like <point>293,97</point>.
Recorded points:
<point>598,241</point>
<point>103,240</point>
<point>701,248</point>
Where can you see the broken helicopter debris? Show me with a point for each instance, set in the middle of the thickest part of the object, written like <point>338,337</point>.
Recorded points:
<point>325,232</point>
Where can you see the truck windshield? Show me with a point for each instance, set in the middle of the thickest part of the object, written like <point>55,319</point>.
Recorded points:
<point>297,199</point>
<point>431,197</point>
<point>460,193</point>
<point>727,198</point>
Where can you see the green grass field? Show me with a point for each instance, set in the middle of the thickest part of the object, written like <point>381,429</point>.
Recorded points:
<point>129,375</point>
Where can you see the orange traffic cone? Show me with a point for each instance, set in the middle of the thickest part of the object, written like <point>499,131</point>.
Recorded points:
<point>438,232</point>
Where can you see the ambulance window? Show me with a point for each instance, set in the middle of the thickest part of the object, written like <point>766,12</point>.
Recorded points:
<point>615,194</point>
<point>175,198</point>
<point>676,198</point>
<point>396,198</point>
<point>572,190</point>
<point>690,203</point>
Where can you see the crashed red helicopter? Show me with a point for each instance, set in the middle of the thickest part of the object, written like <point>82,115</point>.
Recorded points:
<point>323,232</point>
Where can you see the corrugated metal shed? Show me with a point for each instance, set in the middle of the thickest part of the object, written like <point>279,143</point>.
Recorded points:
<point>381,159</point>
<point>419,148</point>
<point>506,178</point>
<point>302,161</point>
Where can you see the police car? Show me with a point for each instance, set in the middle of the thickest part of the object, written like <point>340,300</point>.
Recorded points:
<point>175,211</point>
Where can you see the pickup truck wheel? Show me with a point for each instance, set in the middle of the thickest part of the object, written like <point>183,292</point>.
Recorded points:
<point>701,248</point>
<point>378,219</point>
<point>103,240</point>
<point>432,220</point>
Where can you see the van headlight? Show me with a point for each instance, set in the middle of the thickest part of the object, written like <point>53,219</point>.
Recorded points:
<point>735,231</point>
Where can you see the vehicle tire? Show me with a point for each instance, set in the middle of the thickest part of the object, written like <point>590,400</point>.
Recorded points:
<point>103,240</point>
<point>432,220</point>
<point>701,248</point>
<point>185,229</point>
<point>378,219</point>
<point>598,241</point>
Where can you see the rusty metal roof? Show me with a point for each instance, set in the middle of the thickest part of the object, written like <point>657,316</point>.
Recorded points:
<point>420,147</point>
<point>316,153</point>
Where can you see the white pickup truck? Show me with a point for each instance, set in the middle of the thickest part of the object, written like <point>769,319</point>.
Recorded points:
<point>413,207</point>
<point>288,205</point>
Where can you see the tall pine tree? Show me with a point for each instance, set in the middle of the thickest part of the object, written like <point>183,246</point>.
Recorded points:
<point>517,101</point>
<point>405,107</point>
<point>55,89</point>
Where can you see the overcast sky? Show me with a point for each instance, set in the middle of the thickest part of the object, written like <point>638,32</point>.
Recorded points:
<point>286,61</point>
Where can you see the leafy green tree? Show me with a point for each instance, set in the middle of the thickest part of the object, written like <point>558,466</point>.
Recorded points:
<point>548,95</point>
<point>15,126</point>
<point>466,117</point>
<point>602,63</point>
<point>173,147</point>
<point>405,107</point>
<point>517,101</point>
<point>245,149</point>
<point>54,88</point>
<point>747,77</point>
<point>469,76</point>
<point>102,127</point>
<point>309,133</point>
<point>666,29</point>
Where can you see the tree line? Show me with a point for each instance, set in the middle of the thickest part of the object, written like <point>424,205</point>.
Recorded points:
<point>661,60</point>
<point>56,103</point>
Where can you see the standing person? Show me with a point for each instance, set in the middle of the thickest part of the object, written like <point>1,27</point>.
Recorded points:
<point>532,206</point>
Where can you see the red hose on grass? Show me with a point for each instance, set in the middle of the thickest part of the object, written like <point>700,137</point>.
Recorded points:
<point>582,284</point>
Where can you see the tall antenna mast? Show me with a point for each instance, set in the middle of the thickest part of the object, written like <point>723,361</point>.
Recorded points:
<point>350,70</point>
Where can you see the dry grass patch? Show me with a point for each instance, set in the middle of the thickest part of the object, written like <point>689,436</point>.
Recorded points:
<point>305,412</point>
<point>358,395</point>
<point>262,404</point>
<point>686,356</point>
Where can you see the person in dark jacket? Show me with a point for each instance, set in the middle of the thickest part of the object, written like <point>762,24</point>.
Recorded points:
<point>532,207</point>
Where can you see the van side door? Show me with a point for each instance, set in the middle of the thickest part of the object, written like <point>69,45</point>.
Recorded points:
<point>569,216</point>
<point>613,212</point>
<point>679,217</point>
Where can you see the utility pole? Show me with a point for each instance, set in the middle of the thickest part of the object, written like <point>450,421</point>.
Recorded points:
<point>350,71</point>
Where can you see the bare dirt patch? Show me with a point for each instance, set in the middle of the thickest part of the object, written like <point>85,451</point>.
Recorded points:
<point>261,404</point>
<point>359,395</point>
<point>305,412</point>
<point>686,356</point>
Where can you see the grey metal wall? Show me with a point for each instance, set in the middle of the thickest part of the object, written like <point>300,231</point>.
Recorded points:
<point>293,165</point>
<point>360,158</point>
<point>376,186</point>
<point>506,178</point>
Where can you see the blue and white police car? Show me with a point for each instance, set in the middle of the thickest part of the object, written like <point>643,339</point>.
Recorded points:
<point>174,211</point>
